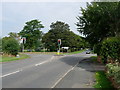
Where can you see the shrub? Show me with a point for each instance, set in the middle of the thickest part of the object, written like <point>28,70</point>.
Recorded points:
<point>117,76</point>
<point>10,46</point>
<point>113,70</point>
<point>111,48</point>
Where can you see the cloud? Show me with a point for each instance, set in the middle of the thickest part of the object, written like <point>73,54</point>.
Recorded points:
<point>47,0</point>
<point>16,14</point>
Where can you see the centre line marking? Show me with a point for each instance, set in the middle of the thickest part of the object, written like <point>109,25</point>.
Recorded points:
<point>41,63</point>
<point>44,61</point>
<point>10,73</point>
<point>64,75</point>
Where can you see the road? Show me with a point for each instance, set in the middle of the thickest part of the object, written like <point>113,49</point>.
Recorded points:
<point>39,71</point>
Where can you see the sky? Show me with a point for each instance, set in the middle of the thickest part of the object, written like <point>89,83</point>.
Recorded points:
<point>15,14</point>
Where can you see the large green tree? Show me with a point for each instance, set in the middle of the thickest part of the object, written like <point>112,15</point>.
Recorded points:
<point>99,20</point>
<point>60,30</point>
<point>13,35</point>
<point>32,32</point>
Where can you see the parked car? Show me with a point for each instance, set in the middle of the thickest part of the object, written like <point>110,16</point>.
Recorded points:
<point>88,52</point>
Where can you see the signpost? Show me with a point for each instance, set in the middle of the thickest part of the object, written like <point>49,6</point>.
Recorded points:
<point>59,43</point>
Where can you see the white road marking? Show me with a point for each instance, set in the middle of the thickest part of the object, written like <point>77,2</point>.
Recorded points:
<point>64,75</point>
<point>41,63</point>
<point>21,69</point>
<point>44,61</point>
<point>10,73</point>
<point>82,69</point>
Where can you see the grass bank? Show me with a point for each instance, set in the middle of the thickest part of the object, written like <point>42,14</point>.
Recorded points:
<point>42,52</point>
<point>94,59</point>
<point>102,81</point>
<point>55,53</point>
<point>7,58</point>
<point>76,52</point>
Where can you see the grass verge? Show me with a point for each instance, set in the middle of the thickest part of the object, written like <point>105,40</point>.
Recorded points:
<point>102,81</point>
<point>55,53</point>
<point>49,53</point>
<point>7,58</point>
<point>76,52</point>
<point>94,59</point>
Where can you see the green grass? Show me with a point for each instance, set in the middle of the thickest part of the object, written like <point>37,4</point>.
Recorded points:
<point>102,81</point>
<point>51,53</point>
<point>76,52</point>
<point>7,59</point>
<point>94,59</point>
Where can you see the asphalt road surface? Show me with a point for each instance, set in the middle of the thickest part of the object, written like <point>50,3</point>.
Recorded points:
<point>39,71</point>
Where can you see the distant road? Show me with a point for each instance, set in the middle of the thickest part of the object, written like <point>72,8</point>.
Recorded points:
<point>39,71</point>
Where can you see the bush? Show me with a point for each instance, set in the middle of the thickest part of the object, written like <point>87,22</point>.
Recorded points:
<point>10,46</point>
<point>111,48</point>
<point>117,77</point>
<point>113,70</point>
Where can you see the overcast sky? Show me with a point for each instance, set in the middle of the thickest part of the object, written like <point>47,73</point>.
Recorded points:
<point>15,14</point>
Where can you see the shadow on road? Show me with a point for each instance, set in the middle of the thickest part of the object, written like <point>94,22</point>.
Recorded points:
<point>70,60</point>
<point>89,65</point>
<point>82,76</point>
<point>84,64</point>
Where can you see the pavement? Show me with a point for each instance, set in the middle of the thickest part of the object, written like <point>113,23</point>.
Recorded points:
<point>49,71</point>
<point>82,76</point>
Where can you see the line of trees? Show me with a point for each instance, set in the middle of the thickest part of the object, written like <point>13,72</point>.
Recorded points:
<point>99,22</point>
<point>36,40</point>
<point>60,30</point>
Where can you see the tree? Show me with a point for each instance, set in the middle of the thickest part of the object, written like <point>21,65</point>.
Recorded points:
<point>0,45</point>
<point>13,35</point>
<point>60,30</point>
<point>32,33</point>
<point>99,20</point>
<point>10,46</point>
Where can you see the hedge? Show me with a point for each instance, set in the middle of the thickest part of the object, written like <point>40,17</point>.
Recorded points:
<point>113,72</point>
<point>110,48</point>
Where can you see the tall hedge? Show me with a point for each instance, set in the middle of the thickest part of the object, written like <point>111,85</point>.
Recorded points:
<point>10,46</point>
<point>111,48</point>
